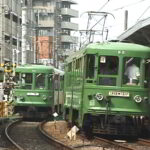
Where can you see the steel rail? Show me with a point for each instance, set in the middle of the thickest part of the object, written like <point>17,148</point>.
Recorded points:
<point>144,141</point>
<point>114,143</point>
<point>7,129</point>
<point>53,140</point>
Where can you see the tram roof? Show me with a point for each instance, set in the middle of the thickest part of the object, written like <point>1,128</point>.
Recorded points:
<point>38,68</point>
<point>114,46</point>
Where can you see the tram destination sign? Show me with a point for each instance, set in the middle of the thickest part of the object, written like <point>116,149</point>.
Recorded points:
<point>118,93</point>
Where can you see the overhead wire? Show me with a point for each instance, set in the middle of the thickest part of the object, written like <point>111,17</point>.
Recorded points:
<point>143,13</point>
<point>104,5</point>
<point>128,5</point>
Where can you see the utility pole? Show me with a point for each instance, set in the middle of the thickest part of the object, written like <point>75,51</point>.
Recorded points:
<point>17,49</point>
<point>126,20</point>
<point>2,34</point>
<point>37,46</point>
<point>49,48</point>
<point>54,62</point>
<point>24,32</point>
<point>34,46</point>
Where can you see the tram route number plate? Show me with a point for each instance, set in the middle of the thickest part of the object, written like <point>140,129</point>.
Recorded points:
<point>121,94</point>
<point>33,94</point>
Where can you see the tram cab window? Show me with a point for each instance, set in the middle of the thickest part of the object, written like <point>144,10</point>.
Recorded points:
<point>131,71</point>
<point>108,69</point>
<point>40,81</point>
<point>26,80</point>
<point>147,74</point>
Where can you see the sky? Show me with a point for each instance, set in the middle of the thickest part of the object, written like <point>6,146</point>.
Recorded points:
<point>137,10</point>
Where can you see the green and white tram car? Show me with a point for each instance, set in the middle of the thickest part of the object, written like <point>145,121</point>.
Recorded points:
<point>38,91</point>
<point>99,96</point>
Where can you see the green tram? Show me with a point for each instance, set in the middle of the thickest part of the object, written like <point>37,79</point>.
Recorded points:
<point>38,91</point>
<point>100,97</point>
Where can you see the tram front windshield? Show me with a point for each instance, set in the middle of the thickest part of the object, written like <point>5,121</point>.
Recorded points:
<point>132,71</point>
<point>40,81</point>
<point>24,80</point>
<point>108,69</point>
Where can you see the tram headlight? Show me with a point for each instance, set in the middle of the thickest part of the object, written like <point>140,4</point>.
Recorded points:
<point>99,96</point>
<point>44,97</point>
<point>138,98</point>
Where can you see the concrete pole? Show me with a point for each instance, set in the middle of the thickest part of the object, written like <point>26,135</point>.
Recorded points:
<point>54,61</point>
<point>24,32</point>
<point>2,46</point>
<point>18,51</point>
<point>126,20</point>
<point>34,46</point>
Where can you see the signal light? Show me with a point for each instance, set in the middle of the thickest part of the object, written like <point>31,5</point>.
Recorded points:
<point>13,65</point>
<point>8,70</point>
<point>2,65</point>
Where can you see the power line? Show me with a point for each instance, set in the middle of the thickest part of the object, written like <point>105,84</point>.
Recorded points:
<point>128,5</point>
<point>143,13</point>
<point>104,5</point>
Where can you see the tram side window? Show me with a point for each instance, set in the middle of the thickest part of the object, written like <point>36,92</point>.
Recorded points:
<point>131,70</point>
<point>90,66</point>
<point>108,69</point>
<point>69,67</point>
<point>40,81</point>
<point>147,74</point>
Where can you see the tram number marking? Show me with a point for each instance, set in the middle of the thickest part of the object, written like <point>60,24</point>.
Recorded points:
<point>33,94</point>
<point>121,94</point>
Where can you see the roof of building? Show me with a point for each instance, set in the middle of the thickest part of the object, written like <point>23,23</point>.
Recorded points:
<point>139,33</point>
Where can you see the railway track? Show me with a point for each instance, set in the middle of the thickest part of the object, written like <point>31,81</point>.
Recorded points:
<point>98,143</point>
<point>139,144</point>
<point>144,141</point>
<point>114,144</point>
<point>30,136</point>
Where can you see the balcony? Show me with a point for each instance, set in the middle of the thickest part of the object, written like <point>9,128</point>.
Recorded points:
<point>69,1</point>
<point>69,26</point>
<point>42,9</point>
<point>69,39</point>
<point>69,12</point>
<point>46,23</point>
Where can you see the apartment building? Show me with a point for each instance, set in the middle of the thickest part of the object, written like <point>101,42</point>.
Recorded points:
<point>54,30</point>
<point>11,31</point>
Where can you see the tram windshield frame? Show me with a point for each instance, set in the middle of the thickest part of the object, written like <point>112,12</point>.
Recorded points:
<point>115,74</point>
<point>34,81</point>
